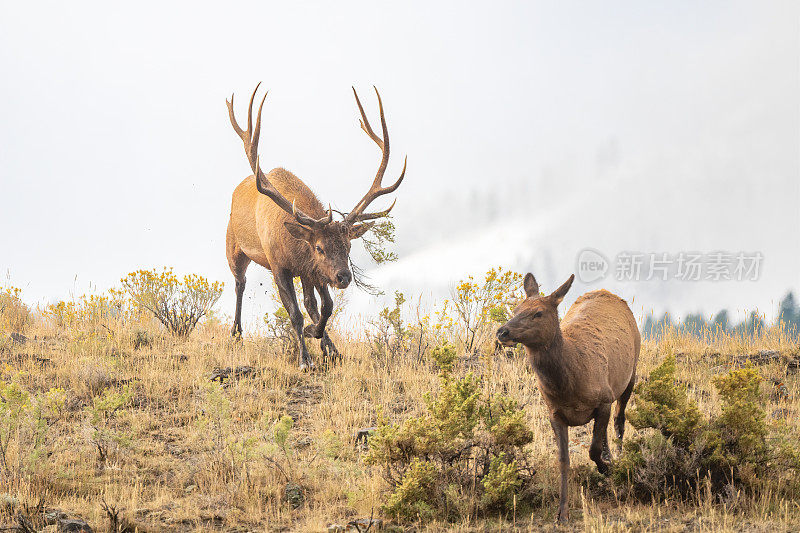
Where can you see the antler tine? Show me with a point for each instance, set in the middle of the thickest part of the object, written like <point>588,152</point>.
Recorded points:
<point>385,159</point>
<point>239,131</point>
<point>365,122</point>
<point>250,109</point>
<point>380,214</point>
<point>375,190</point>
<point>264,186</point>
<point>257,132</point>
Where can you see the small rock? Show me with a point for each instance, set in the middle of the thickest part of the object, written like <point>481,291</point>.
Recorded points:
<point>73,525</point>
<point>189,489</point>
<point>221,374</point>
<point>52,516</point>
<point>335,528</point>
<point>8,503</point>
<point>364,524</point>
<point>18,338</point>
<point>762,357</point>
<point>793,367</point>
<point>362,435</point>
<point>294,495</point>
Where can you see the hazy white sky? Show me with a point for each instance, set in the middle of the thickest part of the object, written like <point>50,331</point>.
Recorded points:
<point>533,130</point>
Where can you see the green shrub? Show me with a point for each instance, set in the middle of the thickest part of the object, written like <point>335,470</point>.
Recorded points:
<point>664,405</point>
<point>729,447</point>
<point>464,454</point>
<point>741,426</point>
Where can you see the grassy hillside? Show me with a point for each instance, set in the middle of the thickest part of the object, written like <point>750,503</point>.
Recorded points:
<point>114,417</point>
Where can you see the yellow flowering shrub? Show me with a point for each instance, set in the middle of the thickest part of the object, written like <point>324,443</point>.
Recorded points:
<point>178,303</point>
<point>14,314</point>
<point>480,306</point>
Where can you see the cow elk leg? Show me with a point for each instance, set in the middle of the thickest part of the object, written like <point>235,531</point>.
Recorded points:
<point>562,439</point>
<point>599,446</point>
<point>619,415</point>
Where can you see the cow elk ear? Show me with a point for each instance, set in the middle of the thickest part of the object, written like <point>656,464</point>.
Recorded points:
<point>560,292</point>
<point>299,232</point>
<point>531,287</point>
<point>358,230</point>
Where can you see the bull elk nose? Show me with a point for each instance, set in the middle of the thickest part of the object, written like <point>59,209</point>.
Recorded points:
<point>343,278</point>
<point>502,333</point>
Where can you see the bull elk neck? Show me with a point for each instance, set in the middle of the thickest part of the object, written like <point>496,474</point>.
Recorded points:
<point>278,223</point>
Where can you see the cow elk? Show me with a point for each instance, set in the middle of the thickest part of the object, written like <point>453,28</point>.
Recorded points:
<point>583,365</point>
<point>278,223</point>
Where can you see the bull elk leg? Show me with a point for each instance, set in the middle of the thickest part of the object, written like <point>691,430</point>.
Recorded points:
<point>326,344</point>
<point>285,283</point>
<point>238,263</point>
<point>237,321</point>
<point>599,447</point>
<point>317,330</point>
<point>562,439</point>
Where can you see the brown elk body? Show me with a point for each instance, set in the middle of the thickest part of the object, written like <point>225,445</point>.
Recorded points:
<point>278,223</point>
<point>584,364</point>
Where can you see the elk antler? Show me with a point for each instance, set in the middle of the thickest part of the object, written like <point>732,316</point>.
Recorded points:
<point>250,139</point>
<point>375,190</point>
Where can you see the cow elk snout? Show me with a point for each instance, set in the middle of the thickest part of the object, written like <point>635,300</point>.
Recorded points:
<point>503,334</point>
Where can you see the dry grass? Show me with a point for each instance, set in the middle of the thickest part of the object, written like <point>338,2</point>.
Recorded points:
<point>188,455</point>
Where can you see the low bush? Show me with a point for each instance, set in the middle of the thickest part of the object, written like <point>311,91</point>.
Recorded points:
<point>726,449</point>
<point>464,455</point>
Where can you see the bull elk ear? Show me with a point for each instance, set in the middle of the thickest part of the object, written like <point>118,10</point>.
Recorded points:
<point>531,287</point>
<point>358,230</point>
<point>560,292</point>
<point>299,232</point>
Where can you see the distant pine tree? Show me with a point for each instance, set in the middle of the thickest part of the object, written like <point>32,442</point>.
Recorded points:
<point>789,313</point>
<point>753,325</point>
<point>693,324</point>
<point>721,322</point>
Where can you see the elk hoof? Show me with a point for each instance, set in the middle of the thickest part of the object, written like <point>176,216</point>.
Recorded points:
<point>307,365</point>
<point>562,517</point>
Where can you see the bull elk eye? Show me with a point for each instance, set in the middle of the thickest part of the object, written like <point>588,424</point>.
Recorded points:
<point>537,314</point>
<point>320,251</point>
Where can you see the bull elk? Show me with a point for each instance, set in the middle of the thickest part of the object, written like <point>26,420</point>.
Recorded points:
<point>583,365</point>
<point>277,222</point>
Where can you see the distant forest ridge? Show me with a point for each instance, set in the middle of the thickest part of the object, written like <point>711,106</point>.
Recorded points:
<point>788,319</point>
